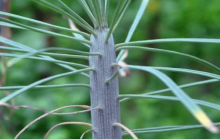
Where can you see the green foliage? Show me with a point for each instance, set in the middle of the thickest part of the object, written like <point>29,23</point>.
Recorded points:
<point>164,19</point>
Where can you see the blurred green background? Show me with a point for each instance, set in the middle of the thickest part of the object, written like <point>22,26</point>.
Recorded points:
<point>162,19</point>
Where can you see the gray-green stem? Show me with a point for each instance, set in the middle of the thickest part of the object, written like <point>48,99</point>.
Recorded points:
<point>104,95</point>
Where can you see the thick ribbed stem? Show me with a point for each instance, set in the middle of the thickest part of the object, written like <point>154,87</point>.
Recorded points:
<point>104,96</point>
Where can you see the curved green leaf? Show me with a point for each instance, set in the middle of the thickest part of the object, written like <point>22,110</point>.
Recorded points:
<point>53,49</point>
<point>28,56</point>
<point>22,90</point>
<point>43,23</point>
<point>29,49</point>
<point>206,63</point>
<point>196,111</point>
<point>170,98</point>
<point>10,25</point>
<point>88,11</point>
<point>45,86</point>
<point>122,12</point>
<point>137,19</point>
<point>121,7</point>
<point>57,9</point>
<point>44,31</point>
<point>182,86</point>
<point>189,71</point>
<point>171,40</point>
<point>166,129</point>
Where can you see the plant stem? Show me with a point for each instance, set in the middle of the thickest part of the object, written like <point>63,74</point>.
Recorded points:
<point>104,95</point>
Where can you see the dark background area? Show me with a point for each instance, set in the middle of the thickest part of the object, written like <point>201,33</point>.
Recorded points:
<point>162,19</point>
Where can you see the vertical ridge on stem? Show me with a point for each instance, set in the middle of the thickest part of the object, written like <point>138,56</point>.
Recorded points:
<point>104,96</point>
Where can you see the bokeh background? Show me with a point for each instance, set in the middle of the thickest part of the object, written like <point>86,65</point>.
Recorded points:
<point>162,19</point>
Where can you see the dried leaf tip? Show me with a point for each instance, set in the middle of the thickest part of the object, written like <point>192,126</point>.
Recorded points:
<point>206,122</point>
<point>124,71</point>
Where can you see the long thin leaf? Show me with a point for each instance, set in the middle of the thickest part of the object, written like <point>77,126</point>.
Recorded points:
<point>121,14</point>
<point>115,17</point>
<point>15,44</point>
<point>47,54</point>
<point>102,4</point>
<point>45,86</point>
<point>43,23</point>
<point>88,11</point>
<point>20,91</point>
<point>106,11</point>
<point>171,40</point>
<point>42,59</point>
<point>15,60</point>
<point>196,111</point>
<point>99,6</point>
<point>10,25</point>
<point>166,129</point>
<point>74,14</point>
<point>170,98</point>
<point>206,63</point>
<point>41,51</point>
<point>189,71</point>
<point>12,49</point>
<point>136,21</point>
<point>29,49</point>
<point>97,9</point>
<point>92,7</point>
<point>57,9</point>
<point>66,56</point>
<point>53,49</point>
<point>182,86</point>
<point>44,31</point>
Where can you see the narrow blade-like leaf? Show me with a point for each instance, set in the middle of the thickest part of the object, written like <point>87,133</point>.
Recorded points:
<point>43,23</point>
<point>182,86</point>
<point>172,40</point>
<point>44,31</point>
<point>45,86</point>
<point>166,129</point>
<point>206,63</point>
<point>20,91</point>
<point>29,49</point>
<point>136,21</point>
<point>196,111</point>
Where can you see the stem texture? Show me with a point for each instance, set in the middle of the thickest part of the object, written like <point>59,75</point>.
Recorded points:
<point>104,96</point>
